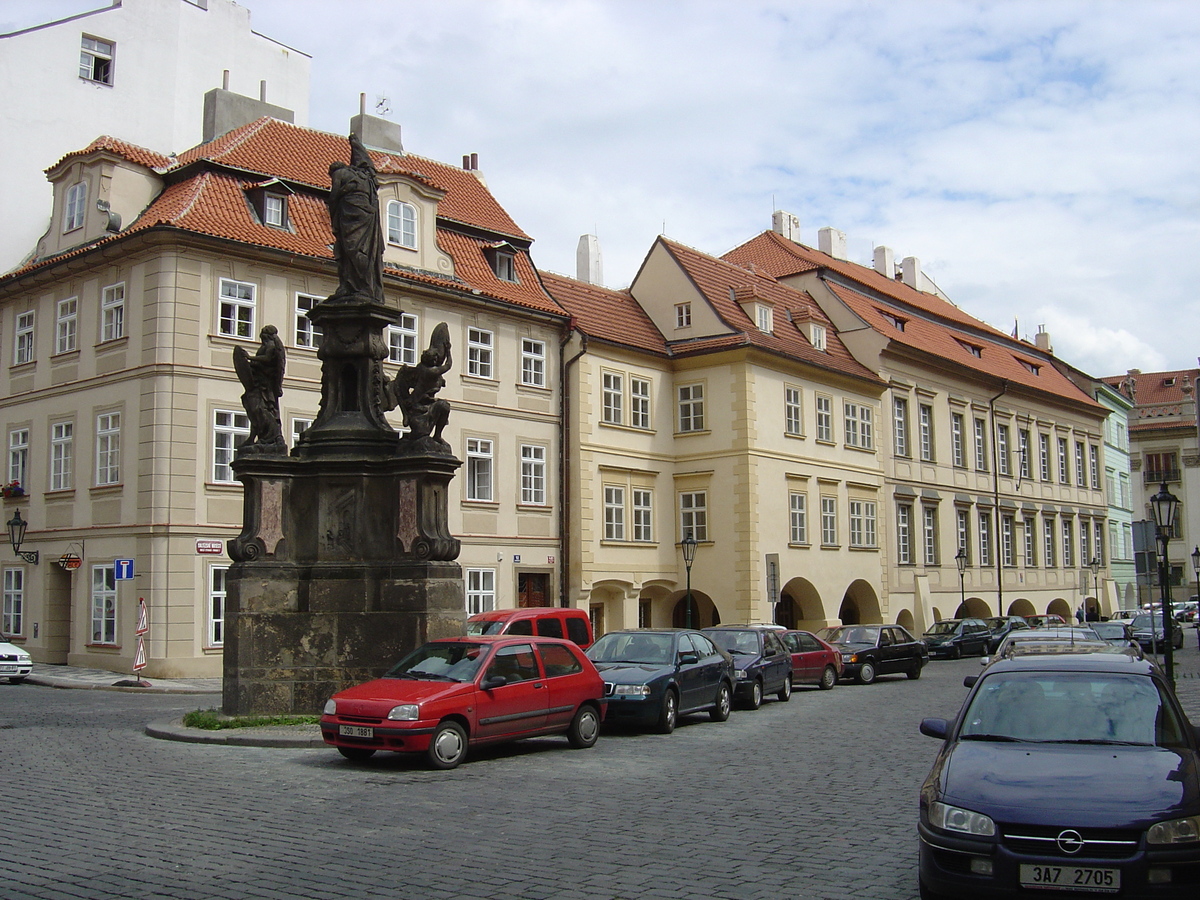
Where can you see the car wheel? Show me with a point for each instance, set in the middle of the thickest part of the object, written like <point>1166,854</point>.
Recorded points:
<point>668,713</point>
<point>585,728</point>
<point>756,696</point>
<point>828,678</point>
<point>722,705</point>
<point>785,692</point>
<point>447,746</point>
<point>915,672</point>
<point>866,673</point>
<point>357,754</point>
<point>955,652</point>
<point>16,679</point>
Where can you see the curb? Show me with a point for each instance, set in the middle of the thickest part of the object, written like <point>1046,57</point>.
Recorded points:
<point>77,685</point>
<point>281,736</point>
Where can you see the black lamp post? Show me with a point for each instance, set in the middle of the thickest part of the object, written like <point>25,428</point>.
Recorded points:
<point>1196,566</point>
<point>16,536</point>
<point>960,560</point>
<point>1164,505</point>
<point>689,554</point>
<point>1094,565</point>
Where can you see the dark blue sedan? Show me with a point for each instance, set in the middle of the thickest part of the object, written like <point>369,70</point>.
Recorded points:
<point>1065,774</point>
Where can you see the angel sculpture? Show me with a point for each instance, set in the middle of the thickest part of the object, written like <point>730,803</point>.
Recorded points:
<point>415,388</point>
<point>262,377</point>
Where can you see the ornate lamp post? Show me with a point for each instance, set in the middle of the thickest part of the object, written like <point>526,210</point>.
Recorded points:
<point>1164,505</point>
<point>960,560</point>
<point>1094,565</point>
<point>1196,566</point>
<point>16,536</point>
<point>689,554</point>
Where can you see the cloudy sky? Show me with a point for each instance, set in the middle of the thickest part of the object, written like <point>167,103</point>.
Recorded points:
<point>1040,158</point>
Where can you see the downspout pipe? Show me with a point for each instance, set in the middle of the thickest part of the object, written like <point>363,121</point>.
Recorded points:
<point>996,500</point>
<point>564,459</point>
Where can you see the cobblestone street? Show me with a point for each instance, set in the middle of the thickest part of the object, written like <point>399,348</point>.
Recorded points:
<point>815,798</point>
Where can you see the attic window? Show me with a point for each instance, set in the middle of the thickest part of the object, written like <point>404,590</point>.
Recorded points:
<point>973,349</point>
<point>270,202</point>
<point>766,319</point>
<point>817,335</point>
<point>503,261</point>
<point>1169,382</point>
<point>683,315</point>
<point>274,210</point>
<point>402,224</point>
<point>897,322</point>
<point>96,60</point>
<point>1030,366</point>
<point>73,211</point>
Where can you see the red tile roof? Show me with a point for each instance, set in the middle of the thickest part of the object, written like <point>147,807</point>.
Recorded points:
<point>605,314</point>
<point>1159,396</point>
<point>131,152</point>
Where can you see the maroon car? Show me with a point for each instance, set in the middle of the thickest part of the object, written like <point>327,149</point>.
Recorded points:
<point>456,693</point>
<point>813,660</point>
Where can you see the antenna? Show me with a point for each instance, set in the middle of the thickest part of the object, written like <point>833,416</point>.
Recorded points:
<point>382,104</point>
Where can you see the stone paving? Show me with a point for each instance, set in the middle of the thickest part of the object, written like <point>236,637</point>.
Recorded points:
<point>811,799</point>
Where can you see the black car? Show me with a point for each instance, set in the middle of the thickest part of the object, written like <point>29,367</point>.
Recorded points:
<point>1063,773</point>
<point>653,676</point>
<point>1001,627</point>
<point>1117,633</point>
<point>872,650</point>
<point>1148,632</point>
<point>762,665</point>
<point>955,638</point>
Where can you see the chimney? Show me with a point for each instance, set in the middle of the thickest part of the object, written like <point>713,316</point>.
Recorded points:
<point>910,272</point>
<point>786,225</point>
<point>885,262</point>
<point>1041,340</point>
<point>374,132</point>
<point>224,110</point>
<point>589,266</point>
<point>832,241</point>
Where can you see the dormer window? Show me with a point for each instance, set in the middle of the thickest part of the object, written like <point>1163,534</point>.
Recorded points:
<point>974,350</point>
<point>766,319</point>
<point>74,210</point>
<point>402,225</point>
<point>1028,365</point>
<point>683,315</point>
<point>96,60</point>
<point>270,202</point>
<point>274,210</point>
<point>896,321</point>
<point>817,336</point>
<point>503,260</point>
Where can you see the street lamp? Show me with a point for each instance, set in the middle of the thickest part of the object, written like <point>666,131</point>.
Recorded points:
<point>1094,565</point>
<point>16,536</point>
<point>689,554</point>
<point>1164,505</point>
<point>1196,566</point>
<point>960,560</point>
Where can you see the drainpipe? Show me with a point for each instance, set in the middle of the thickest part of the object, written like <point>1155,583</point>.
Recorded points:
<point>564,464</point>
<point>996,499</point>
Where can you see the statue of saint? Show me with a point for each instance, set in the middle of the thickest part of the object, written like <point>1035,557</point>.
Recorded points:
<point>262,377</point>
<point>357,232</point>
<point>415,388</point>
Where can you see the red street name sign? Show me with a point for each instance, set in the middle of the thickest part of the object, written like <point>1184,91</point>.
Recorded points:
<point>207,546</point>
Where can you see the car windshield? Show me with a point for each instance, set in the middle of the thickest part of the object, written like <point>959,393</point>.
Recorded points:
<point>851,634</point>
<point>742,642</point>
<point>632,647</point>
<point>1109,630</point>
<point>943,628</point>
<point>1146,623</point>
<point>1072,708</point>
<point>441,661</point>
<point>485,626</point>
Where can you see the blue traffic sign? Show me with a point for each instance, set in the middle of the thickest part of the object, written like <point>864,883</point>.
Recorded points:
<point>124,569</point>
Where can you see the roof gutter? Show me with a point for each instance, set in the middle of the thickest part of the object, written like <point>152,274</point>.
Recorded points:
<point>564,466</point>
<point>996,499</point>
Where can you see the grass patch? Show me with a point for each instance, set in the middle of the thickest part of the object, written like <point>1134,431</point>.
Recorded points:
<point>212,720</point>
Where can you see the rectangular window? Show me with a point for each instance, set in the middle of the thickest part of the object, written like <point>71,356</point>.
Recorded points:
<point>18,456</point>
<point>693,515</point>
<point>307,334</point>
<point>643,515</point>
<point>402,224</point>
<point>614,512</point>
<point>23,342</point>
<point>235,316</point>
<point>613,395</point>
<point>1068,544</point>
<point>1002,459</point>
<point>66,325</point>
<point>963,527</point>
<point>798,517</point>
<point>104,604</point>
<point>824,418</point>
<point>12,621</point>
<point>481,590</point>
<point>1085,540</point>
<point>818,336</point>
<point>1126,491</point>
<point>216,606</point>
<point>1160,467</point>
<point>1030,541</point>
<point>1080,470</point>
<point>1007,548</point>
<point>829,529</point>
<point>273,207</point>
<point>958,451</point>
<point>925,424</point>
<point>1024,460</point>
<point>929,532</point>
<point>1044,457</point>
<point>108,448</point>
<point>766,319</point>
<point>1099,541</point>
<point>62,454</point>
<point>981,464</point>
<point>859,425</point>
<point>793,413</point>
<point>479,469</point>
<point>402,341</point>
<point>533,362</point>
<point>1064,464</point>
<point>1094,465</point>
<point>1048,553</point>
<point>112,313</point>
<point>639,402</point>
<point>691,407</point>
<point>230,429</point>
<point>533,475</point>
<point>900,425</point>
<point>76,206</point>
<point>479,353</point>
<point>904,537</point>
<point>862,523</point>
<point>985,538</point>
<point>96,60</point>
<point>683,315</point>
<point>299,426</point>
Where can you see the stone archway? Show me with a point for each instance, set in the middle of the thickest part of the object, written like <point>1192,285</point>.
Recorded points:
<point>906,621</point>
<point>704,611</point>
<point>800,606</point>
<point>973,607</point>
<point>1059,606</point>
<point>860,604</point>
<point>662,605</point>
<point>605,605</point>
<point>937,614</point>
<point>1021,607</point>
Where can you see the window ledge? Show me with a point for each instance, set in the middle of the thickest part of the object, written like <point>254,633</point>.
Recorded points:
<point>534,507</point>
<point>480,504</point>
<point>700,431</point>
<point>112,648</point>
<point>101,489</point>
<point>534,388</point>
<point>65,356</point>
<point>113,344</point>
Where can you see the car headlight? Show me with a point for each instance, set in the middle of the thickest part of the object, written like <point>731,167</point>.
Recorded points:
<point>405,712</point>
<point>639,691</point>
<point>1177,831</point>
<point>849,657</point>
<point>741,674</point>
<point>951,818</point>
<point>331,707</point>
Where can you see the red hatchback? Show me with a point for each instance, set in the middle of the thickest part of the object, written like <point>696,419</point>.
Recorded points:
<point>455,693</point>
<point>813,660</point>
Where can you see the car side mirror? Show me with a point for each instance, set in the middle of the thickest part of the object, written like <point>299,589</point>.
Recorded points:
<point>970,680</point>
<point>985,660</point>
<point>688,657</point>
<point>494,681</point>
<point>935,728</point>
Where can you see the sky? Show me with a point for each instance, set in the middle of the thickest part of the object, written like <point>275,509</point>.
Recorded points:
<point>1039,158</point>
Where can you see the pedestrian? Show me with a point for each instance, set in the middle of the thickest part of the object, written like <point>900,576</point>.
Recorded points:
<point>1079,615</point>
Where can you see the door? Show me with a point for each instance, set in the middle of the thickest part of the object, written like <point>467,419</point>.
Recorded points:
<point>694,678</point>
<point>521,704</point>
<point>533,589</point>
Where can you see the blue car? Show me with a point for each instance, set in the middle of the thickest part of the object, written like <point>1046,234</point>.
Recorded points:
<point>1064,774</point>
<point>762,664</point>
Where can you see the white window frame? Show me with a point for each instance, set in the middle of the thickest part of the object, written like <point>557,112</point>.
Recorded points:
<point>1002,450</point>
<point>12,617</point>
<point>683,315</point>
<point>818,337</point>
<point>479,352</point>
<point>217,595</point>
<point>904,549</point>
<point>829,525</point>
<point>23,338</point>
<point>824,407</point>
<point>985,537</point>
<point>18,456</point>
<point>1094,465</point>
<point>963,528</point>
<point>981,461</point>
<point>236,308</point>
<point>104,604</point>
<point>402,224</point>
<point>1068,542</point>
<point>66,325</point>
<point>480,590</point>
<point>533,475</point>
<point>691,407</point>
<point>533,363</point>
<point>230,429</point>
<point>108,448</point>
<point>480,465</point>
<point>1098,540</point>
<point>1024,470</point>
<point>925,425</point>
<point>614,512</point>
<point>1030,537</point>
<point>798,517</point>
<point>1007,546</point>
<point>1080,465</point>
<point>612,397</point>
<point>793,411</point>
<point>1064,462</point>
<point>693,514</point>
<point>859,425</point>
<point>957,450</point>
<point>299,426</point>
<point>1048,553</point>
<point>900,426</point>
<point>308,333</point>
<point>863,515</point>
<point>403,339</point>
<point>62,455</point>
<point>765,317</point>
<point>75,207</point>
<point>274,211</point>
<point>639,403</point>
<point>112,312</point>
<point>96,60</point>
<point>643,515</point>
<point>929,533</point>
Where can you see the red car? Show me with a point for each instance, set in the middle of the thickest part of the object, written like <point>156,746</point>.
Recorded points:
<point>456,693</point>
<point>813,660</point>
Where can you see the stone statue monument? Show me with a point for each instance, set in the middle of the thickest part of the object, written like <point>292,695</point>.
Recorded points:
<point>262,377</point>
<point>414,390</point>
<point>357,228</point>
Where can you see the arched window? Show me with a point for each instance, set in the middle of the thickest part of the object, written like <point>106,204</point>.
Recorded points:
<point>76,201</point>
<point>402,224</point>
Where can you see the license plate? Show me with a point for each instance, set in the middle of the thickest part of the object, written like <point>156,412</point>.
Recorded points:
<point>1071,878</point>
<point>6,670</point>
<point>358,731</point>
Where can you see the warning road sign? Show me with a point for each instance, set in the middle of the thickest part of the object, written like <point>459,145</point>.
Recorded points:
<point>143,624</point>
<point>139,660</point>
